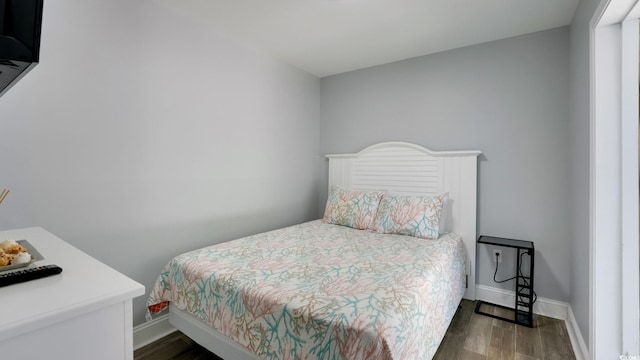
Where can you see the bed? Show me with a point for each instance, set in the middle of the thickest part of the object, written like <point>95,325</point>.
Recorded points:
<point>323,290</point>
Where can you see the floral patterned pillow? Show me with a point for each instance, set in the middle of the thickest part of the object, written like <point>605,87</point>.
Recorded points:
<point>356,209</point>
<point>417,216</point>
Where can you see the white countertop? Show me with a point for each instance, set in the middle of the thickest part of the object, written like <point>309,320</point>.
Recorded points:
<point>84,285</point>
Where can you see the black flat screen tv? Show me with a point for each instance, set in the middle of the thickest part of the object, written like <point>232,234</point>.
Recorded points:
<point>20,27</point>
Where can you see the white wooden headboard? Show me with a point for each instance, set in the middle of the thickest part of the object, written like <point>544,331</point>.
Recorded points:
<point>405,168</point>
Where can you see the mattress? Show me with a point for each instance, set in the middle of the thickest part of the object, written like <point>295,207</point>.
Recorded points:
<point>321,291</point>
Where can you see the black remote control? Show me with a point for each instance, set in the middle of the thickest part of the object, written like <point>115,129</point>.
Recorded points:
<point>19,276</point>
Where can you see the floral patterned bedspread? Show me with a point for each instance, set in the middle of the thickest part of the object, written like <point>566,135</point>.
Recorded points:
<point>321,291</point>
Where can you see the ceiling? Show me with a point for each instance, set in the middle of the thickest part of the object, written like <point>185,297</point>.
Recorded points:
<point>326,37</point>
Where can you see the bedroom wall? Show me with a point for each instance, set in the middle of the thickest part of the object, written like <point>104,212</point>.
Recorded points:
<point>579,167</point>
<point>143,134</point>
<point>508,98</point>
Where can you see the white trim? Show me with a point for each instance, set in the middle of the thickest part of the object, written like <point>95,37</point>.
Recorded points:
<point>594,20</point>
<point>629,187</point>
<point>150,331</point>
<point>577,341</point>
<point>606,246</point>
<point>616,12</point>
<point>612,330</point>
<point>543,306</point>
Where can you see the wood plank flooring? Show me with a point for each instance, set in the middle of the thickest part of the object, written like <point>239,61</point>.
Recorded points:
<point>175,346</point>
<point>475,336</point>
<point>470,337</point>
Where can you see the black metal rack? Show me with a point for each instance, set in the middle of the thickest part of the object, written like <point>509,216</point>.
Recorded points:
<point>523,309</point>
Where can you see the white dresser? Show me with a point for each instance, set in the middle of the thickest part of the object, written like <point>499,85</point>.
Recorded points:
<point>83,313</point>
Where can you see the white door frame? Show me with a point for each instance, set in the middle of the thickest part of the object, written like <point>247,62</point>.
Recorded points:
<point>629,144</point>
<point>613,236</point>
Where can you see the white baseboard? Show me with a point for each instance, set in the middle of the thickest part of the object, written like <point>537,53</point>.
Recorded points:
<point>145,334</point>
<point>577,341</point>
<point>545,307</point>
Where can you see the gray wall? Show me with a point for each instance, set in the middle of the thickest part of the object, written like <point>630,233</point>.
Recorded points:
<point>508,98</point>
<point>142,134</point>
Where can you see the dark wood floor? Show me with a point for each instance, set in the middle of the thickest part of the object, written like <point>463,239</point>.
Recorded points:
<point>176,346</point>
<point>470,337</point>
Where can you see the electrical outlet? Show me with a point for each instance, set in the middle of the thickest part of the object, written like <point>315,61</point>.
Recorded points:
<point>497,253</point>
